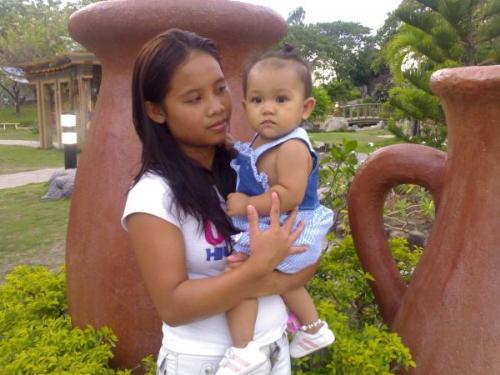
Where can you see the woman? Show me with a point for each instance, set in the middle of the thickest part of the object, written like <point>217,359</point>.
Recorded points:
<point>176,220</point>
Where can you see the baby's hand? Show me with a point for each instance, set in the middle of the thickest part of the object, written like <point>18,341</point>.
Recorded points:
<point>237,204</point>
<point>235,260</point>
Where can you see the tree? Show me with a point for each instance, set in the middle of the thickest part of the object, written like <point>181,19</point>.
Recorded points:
<point>341,51</point>
<point>32,30</point>
<point>342,91</point>
<point>334,47</point>
<point>296,17</point>
<point>437,34</point>
<point>11,80</point>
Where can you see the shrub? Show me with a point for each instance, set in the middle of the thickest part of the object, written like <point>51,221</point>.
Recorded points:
<point>337,171</point>
<point>323,104</point>
<point>341,291</point>
<point>36,335</point>
<point>363,345</point>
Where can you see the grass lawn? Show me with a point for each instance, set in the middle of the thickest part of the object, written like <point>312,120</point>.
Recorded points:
<point>18,159</point>
<point>379,138</point>
<point>24,133</point>
<point>27,118</point>
<point>27,115</point>
<point>33,231</point>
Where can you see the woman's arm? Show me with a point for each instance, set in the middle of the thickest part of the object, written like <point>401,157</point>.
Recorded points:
<point>293,165</point>
<point>278,282</point>
<point>159,249</point>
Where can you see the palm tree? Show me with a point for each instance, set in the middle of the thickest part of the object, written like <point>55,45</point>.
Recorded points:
<point>437,34</point>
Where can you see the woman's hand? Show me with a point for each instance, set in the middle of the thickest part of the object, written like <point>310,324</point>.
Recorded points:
<point>268,248</point>
<point>179,299</point>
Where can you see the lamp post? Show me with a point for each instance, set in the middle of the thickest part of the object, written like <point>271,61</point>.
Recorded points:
<point>68,125</point>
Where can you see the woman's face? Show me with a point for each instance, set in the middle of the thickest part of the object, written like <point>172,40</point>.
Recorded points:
<point>197,107</point>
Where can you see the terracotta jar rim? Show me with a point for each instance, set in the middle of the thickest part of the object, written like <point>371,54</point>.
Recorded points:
<point>470,79</point>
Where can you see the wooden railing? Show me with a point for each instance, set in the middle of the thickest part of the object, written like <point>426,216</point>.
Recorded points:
<point>361,111</point>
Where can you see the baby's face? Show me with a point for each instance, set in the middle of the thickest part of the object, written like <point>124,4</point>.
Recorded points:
<point>274,103</point>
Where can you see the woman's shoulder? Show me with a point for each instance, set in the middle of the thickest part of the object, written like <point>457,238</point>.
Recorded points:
<point>152,195</point>
<point>150,182</point>
<point>151,187</point>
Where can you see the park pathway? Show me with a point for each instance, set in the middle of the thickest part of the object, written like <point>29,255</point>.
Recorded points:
<point>24,178</point>
<point>6,142</point>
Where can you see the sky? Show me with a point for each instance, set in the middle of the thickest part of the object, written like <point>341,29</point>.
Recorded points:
<point>371,13</point>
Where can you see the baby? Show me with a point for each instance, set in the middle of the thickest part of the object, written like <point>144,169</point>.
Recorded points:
<point>277,97</point>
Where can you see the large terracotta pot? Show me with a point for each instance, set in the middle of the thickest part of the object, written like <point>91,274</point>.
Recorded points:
<point>104,285</point>
<point>449,313</point>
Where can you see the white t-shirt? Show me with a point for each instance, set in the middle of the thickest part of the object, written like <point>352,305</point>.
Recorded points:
<point>205,256</point>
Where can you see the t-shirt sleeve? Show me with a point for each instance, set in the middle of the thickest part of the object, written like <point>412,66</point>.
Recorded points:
<point>151,195</point>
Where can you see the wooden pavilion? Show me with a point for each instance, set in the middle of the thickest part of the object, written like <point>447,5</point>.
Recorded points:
<point>66,84</point>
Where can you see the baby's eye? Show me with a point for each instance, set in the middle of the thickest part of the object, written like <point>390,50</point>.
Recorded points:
<point>256,99</point>
<point>221,89</point>
<point>281,99</point>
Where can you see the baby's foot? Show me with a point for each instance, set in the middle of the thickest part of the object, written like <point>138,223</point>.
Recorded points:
<point>241,360</point>
<point>304,343</point>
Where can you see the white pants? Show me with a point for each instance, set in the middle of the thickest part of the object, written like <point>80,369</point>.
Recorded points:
<point>278,363</point>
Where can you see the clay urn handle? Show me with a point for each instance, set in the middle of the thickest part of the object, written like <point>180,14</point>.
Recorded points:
<point>388,167</point>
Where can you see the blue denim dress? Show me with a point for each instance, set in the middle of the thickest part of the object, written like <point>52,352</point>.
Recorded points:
<point>318,219</point>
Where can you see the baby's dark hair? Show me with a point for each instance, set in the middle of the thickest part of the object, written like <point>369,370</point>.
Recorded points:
<point>282,57</point>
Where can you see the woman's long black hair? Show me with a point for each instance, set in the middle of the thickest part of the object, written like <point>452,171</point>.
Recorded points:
<point>191,184</point>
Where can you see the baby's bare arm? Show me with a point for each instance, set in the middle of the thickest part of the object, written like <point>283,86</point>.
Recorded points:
<point>293,165</point>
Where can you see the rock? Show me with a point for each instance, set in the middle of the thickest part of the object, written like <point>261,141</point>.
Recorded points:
<point>361,157</point>
<point>378,126</point>
<point>397,233</point>
<point>405,125</point>
<point>61,184</point>
<point>416,239</point>
<point>334,123</point>
<point>306,125</point>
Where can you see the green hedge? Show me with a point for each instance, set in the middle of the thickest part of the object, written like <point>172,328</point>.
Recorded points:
<point>364,344</point>
<point>36,336</point>
<point>322,107</point>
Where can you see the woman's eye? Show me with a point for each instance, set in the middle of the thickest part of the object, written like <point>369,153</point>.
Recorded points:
<point>255,99</point>
<point>281,99</point>
<point>221,89</point>
<point>193,100</point>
